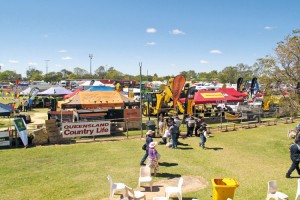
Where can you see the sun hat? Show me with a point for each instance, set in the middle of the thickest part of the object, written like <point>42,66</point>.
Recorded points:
<point>152,144</point>
<point>149,132</point>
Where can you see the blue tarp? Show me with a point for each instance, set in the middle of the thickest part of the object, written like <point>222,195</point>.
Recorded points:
<point>5,109</point>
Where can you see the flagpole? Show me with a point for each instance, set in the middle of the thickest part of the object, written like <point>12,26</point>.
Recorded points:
<point>141,120</point>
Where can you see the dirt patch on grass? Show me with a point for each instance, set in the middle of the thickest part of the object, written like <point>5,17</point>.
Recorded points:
<point>190,184</point>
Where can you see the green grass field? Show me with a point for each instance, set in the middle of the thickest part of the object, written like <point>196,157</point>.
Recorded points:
<point>79,171</point>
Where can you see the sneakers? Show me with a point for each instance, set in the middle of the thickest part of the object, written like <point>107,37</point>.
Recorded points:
<point>288,176</point>
<point>142,164</point>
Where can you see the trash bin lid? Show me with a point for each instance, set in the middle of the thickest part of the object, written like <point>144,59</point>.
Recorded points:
<point>230,182</point>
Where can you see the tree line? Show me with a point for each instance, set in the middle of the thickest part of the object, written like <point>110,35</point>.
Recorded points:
<point>281,67</point>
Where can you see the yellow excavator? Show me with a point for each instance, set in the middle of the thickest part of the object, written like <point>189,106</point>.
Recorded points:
<point>162,102</point>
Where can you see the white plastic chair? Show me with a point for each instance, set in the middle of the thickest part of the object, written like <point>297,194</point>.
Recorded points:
<point>135,195</point>
<point>273,193</point>
<point>175,190</point>
<point>115,187</point>
<point>298,189</point>
<point>145,176</point>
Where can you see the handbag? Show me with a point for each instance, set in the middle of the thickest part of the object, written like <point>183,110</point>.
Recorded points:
<point>144,147</point>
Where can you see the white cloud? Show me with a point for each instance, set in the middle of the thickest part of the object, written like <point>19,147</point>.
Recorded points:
<point>151,30</point>
<point>62,51</point>
<point>13,61</point>
<point>215,51</point>
<point>151,43</point>
<point>57,65</point>
<point>66,58</point>
<point>203,61</point>
<point>1,64</point>
<point>32,64</point>
<point>269,27</point>
<point>177,32</point>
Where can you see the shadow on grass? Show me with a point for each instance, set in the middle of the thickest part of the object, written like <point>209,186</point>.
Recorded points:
<point>168,175</point>
<point>182,144</point>
<point>295,177</point>
<point>155,188</point>
<point>184,148</point>
<point>214,148</point>
<point>165,164</point>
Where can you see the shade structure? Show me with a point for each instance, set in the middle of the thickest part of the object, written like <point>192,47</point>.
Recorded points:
<point>73,93</point>
<point>203,97</point>
<point>91,83</point>
<point>233,92</point>
<point>55,91</point>
<point>90,100</point>
<point>26,91</point>
<point>5,109</point>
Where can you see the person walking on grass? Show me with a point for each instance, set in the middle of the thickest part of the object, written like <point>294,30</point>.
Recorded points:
<point>190,124</point>
<point>202,132</point>
<point>295,157</point>
<point>174,131</point>
<point>153,157</point>
<point>148,141</point>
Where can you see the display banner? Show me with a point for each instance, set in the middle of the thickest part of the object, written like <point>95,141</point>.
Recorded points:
<point>4,138</point>
<point>212,95</point>
<point>80,129</point>
<point>21,129</point>
<point>178,84</point>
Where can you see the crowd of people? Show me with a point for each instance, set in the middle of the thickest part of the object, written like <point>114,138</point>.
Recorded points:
<point>169,129</point>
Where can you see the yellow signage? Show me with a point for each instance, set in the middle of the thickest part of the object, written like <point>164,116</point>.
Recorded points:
<point>212,95</point>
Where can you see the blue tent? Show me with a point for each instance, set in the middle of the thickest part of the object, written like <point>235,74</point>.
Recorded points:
<point>5,109</point>
<point>100,88</point>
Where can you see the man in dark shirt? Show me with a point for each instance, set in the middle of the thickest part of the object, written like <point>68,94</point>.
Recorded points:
<point>295,157</point>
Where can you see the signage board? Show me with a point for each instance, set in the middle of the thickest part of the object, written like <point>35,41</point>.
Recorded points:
<point>81,129</point>
<point>4,138</point>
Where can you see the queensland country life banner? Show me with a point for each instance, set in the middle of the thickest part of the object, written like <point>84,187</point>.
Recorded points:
<point>81,129</point>
<point>22,131</point>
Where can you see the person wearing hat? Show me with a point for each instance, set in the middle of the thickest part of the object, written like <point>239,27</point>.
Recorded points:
<point>149,139</point>
<point>295,157</point>
<point>202,132</point>
<point>153,157</point>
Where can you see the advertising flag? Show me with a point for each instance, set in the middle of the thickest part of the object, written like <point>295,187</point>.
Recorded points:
<point>178,84</point>
<point>239,84</point>
<point>32,94</point>
<point>22,130</point>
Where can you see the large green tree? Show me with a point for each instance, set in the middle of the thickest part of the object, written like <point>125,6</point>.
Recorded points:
<point>100,72</point>
<point>10,76</point>
<point>33,72</point>
<point>53,77</point>
<point>283,68</point>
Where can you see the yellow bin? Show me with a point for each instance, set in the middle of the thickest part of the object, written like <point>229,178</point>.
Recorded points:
<point>223,188</point>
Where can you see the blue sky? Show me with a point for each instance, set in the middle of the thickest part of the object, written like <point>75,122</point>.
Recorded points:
<point>167,36</point>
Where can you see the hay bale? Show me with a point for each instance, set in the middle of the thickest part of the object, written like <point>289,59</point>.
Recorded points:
<point>40,137</point>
